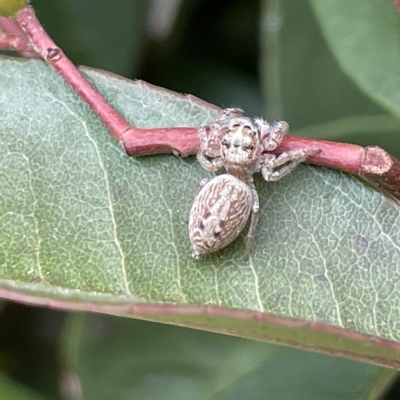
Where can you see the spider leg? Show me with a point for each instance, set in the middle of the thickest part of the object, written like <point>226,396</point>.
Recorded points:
<point>210,164</point>
<point>291,158</point>
<point>201,184</point>
<point>209,141</point>
<point>254,216</point>
<point>271,135</point>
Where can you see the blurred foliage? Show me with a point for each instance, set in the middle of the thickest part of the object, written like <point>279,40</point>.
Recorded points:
<point>11,390</point>
<point>171,363</point>
<point>29,345</point>
<point>10,7</point>
<point>314,88</point>
<point>212,50</point>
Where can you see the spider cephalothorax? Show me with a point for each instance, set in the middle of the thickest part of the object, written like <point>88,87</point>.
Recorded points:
<point>238,143</point>
<point>242,146</point>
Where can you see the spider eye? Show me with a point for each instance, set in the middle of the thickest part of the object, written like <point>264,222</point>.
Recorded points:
<point>226,143</point>
<point>248,147</point>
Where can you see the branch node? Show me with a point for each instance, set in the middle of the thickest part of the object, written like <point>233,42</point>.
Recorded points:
<point>53,54</point>
<point>376,161</point>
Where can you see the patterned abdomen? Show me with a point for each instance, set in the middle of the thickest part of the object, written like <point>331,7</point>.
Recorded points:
<point>219,213</point>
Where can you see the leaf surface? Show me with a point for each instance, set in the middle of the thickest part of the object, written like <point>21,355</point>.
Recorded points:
<point>85,227</point>
<point>365,39</point>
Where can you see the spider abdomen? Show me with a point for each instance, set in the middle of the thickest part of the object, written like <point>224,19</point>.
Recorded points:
<point>218,214</point>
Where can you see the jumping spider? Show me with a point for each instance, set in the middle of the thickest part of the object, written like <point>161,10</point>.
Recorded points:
<point>242,146</point>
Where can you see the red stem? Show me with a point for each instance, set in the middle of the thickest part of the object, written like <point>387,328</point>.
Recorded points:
<point>344,156</point>
<point>45,46</point>
<point>10,26</point>
<point>185,141</point>
<point>13,38</point>
<point>14,43</point>
<point>180,141</point>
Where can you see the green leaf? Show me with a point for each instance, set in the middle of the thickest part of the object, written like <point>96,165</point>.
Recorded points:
<point>13,391</point>
<point>118,358</point>
<point>364,37</point>
<point>85,227</point>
